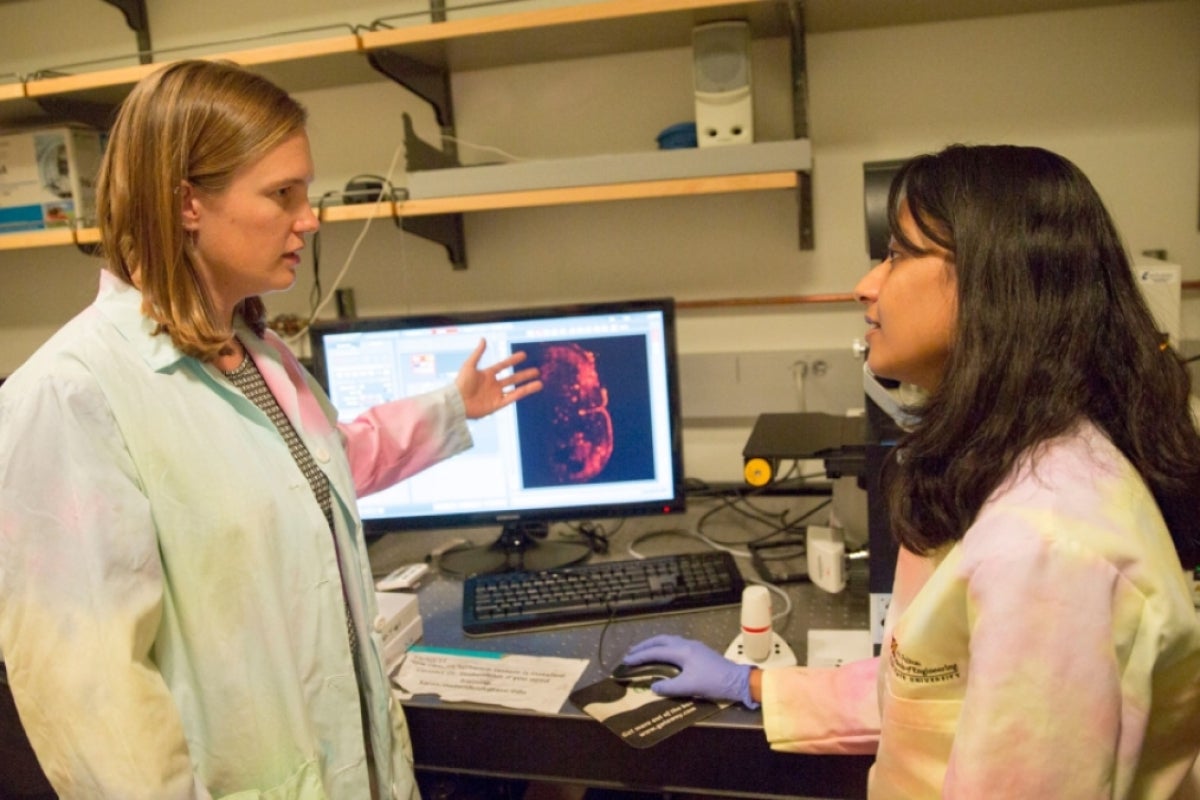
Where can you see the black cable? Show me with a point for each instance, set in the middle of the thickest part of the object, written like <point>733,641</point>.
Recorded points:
<point>314,294</point>
<point>779,522</point>
<point>731,500</point>
<point>597,537</point>
<point>612,616</point>
<point>788,527</point>
<point>364,193</point>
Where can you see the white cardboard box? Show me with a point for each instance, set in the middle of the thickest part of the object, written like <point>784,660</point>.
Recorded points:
<point>398,624</point>
<point>48,178</point>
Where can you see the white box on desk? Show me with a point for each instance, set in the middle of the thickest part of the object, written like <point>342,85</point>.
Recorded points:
<point>398,624</point>
<point>48,178</point>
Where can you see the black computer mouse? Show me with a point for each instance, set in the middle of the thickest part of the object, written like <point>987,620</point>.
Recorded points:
<point>645,673</point>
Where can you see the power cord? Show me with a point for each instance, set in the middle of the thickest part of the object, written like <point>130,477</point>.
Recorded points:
<point>612,616</point>
<point>388,196</point>
<point>739,501</point>
<point>597,537</point>
<point>314,294</point>
<point>485,147</point>
<point>364,187</point>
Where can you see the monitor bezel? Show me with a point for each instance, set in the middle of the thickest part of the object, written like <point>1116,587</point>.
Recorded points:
<point>664,305</point>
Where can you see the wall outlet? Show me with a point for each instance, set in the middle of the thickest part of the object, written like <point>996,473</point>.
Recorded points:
<point>744,385</point>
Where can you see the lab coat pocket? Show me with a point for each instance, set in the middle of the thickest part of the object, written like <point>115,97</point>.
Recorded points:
<point>912,758</point>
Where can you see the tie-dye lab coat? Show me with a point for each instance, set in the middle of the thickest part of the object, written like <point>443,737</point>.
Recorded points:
<point>171,604</point>
<point>1053,652</point>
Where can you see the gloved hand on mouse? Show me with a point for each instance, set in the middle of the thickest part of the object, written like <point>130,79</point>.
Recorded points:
<point>705,673</point>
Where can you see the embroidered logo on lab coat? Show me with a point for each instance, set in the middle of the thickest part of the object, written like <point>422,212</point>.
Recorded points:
<point>911,670</point>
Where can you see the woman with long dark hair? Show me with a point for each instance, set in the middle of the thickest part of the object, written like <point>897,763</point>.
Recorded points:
<point>1041,640</point>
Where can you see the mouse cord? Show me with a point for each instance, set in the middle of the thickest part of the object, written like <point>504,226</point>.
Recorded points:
<point>612,615</point>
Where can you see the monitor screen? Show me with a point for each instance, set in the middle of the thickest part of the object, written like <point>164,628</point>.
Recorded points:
<point>601,439</point>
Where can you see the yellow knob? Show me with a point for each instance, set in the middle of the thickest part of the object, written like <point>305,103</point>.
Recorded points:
<point>757,471</point>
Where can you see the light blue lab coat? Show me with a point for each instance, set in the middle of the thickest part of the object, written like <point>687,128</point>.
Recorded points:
<point>171,603</point>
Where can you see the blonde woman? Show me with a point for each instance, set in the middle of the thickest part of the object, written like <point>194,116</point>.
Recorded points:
<point>186,604</point>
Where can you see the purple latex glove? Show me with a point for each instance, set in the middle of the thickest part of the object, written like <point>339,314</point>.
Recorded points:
<point>705,673</point>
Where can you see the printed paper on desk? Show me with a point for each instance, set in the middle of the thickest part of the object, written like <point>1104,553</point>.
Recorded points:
<point>538,683</point>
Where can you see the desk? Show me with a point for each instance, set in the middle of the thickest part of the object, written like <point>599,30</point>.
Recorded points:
<point>725,754</point>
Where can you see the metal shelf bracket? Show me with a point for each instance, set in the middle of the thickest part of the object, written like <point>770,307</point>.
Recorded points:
<point>138,22</point>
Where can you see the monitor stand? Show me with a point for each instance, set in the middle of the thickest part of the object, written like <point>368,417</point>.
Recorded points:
<point>521,546</point>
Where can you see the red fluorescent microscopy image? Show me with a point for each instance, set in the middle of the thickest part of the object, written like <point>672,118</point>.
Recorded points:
<point>591,421</point>
<point>580,425</point>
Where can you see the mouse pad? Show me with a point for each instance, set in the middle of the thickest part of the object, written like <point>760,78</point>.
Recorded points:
<point>637,715</point>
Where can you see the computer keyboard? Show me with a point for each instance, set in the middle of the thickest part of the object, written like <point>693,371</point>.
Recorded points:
<point>511,602</point>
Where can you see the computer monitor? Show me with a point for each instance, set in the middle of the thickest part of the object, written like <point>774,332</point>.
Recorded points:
<point>602,438</point>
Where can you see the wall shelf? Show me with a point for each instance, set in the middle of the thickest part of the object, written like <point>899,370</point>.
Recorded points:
<point>572,31</point>
<point>638,190</point>
<point>793,155</point>
<point>575,31</point>
<point>428,51</point>
<point>312,54</point>
<point>497,201</point>
<point>609,26</point>
<point>52,237</point>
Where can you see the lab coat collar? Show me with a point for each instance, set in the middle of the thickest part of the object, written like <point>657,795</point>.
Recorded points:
<point>900,403</point>
<point>121,303</point>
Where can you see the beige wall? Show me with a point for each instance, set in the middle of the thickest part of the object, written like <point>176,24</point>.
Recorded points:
<point>1116,89</point>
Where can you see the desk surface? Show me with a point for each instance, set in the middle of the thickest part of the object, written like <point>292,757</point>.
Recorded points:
<point>726,754</point>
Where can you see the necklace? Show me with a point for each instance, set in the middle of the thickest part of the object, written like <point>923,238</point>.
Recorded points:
<point>241,367</point>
